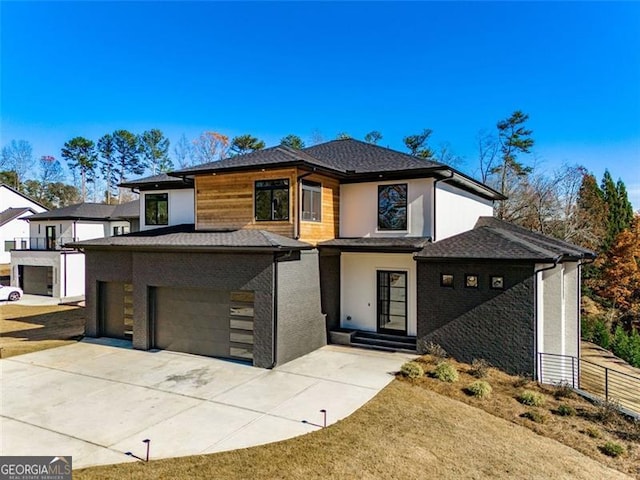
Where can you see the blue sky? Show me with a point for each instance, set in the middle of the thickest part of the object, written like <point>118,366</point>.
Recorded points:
<point>271,69</point>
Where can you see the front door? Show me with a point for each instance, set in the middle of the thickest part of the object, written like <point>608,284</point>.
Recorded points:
<point>51,237</point>
<point>392,302</point>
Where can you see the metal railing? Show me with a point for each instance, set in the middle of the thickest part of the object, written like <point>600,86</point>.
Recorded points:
<point>42,243</point>
<point>593,378</point>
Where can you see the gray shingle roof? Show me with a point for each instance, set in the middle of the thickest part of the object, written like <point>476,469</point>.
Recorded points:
<point>376,244</point>
<point>127,210</point>
<point>159,181</point>
<point>80,211</point>
<point>494,239</point>
<point>11,213</point>
<point>266,157</point>
<point>361,157</point>
<point>186,237</point>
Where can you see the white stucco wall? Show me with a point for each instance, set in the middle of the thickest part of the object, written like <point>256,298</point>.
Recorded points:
<point>181,207</point>
<point>358,295</point>
<point>457,211</point>
<point>10,199</point>
<point>359,209</point>
<point>15,229</point>
<point>557,296</point>
<point>71,275</point>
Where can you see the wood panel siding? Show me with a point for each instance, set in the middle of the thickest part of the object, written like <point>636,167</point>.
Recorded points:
<point>328,227</point>
<point>226,200</point>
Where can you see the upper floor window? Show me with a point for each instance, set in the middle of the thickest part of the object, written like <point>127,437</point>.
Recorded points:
<point>392,207</point>
<point>120,230</point>
<point>272,200</point>
<point>311,201</point>
<point>156,209</point>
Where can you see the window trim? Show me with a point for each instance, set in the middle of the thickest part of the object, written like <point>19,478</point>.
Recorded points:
<point>314,187</point>
<point>271,189</point>
<point>406,208</point>
<point>146,206</point>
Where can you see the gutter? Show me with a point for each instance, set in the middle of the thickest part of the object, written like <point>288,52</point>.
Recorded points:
<point>435,184</point>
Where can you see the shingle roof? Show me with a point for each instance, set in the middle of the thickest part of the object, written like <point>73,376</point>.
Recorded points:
<point>269,156</point>
<point>494,239</point>
<point>11,213</point>
<point>361,157</point>
<point>80,211</point>
<point>127,210</point>
<point>186,237</point>
<point>159,181</point>
<point>377,244</point>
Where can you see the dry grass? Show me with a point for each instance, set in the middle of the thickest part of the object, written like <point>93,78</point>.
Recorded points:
<point>405,432</point>
<point>5,270</point>
<point>569,430</point>
<point>25,329</point>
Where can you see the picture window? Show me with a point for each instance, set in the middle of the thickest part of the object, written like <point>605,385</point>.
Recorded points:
<point>392,207</point>
<point>272,200</point>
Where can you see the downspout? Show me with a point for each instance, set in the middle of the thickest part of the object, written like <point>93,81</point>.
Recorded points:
<point>65,274</point>
<point>435,183</point>
<point>296,226</point>
<point>535,307</point>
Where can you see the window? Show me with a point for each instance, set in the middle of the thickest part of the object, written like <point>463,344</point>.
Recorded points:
<point>392,207</point>
<point>497,282</point>
<point>471,281</point>
<point>311,201</point>
<point>156,209</point>
<point>272,200</point>
<point>120,230</point>
<point>9,245</point>
<point>446,280</point>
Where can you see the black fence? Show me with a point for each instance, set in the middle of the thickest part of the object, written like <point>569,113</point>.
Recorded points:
<point>595,379</point>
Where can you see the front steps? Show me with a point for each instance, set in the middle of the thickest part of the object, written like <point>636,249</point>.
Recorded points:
<point>376,341</point>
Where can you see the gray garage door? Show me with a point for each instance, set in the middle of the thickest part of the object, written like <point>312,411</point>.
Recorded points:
<point>116,314</point>
<point>37,280</point>
<point>203,321</point>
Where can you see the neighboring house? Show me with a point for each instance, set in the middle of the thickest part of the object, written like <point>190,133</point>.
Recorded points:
<point>14,206</point>
<point>43,263</point>
<point>282,249</point>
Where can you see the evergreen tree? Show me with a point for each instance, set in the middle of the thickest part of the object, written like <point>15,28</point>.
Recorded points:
<point>106,148</point>
<point>292,141</point>
<point>245,144</point>
<point>620,212</point>
<point>81,157</point>
<point>373,137</point>
<point>154,147</point>
<point>417,144</point>
<point>127,155</point>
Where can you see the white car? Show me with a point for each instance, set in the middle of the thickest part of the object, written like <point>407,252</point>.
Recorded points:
<point>10,293</point>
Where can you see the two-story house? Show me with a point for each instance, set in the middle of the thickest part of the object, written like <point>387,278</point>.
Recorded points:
<point>281,247</point>
<point>14,207</point>
<point>42,263</point>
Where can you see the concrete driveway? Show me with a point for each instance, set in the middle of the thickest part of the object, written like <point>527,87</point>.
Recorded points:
<point>98,399</point>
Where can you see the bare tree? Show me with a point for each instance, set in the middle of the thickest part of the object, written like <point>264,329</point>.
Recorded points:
<point>488,149</point>
<point>17,157</point>
<point>210,147</point>
<point>183,152</point>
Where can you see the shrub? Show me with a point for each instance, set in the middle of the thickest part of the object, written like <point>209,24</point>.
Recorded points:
<point>479,389</point>
<point>612,449</point>
<point>412,370</point>
<point>435,350</point>
<point>446,372</point>
<point>520,381</point>
<point>480,368</point>
<point>534,416</point>
<point>566,410</point>
<point>563,390</point>
<point>593,432</point>
<point>626,346</point>
<point>608,411</point>
<point>601,334</point>
<point>530,398</point>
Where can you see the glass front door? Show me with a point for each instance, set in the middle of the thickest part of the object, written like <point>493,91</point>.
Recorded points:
<point>392,302</point>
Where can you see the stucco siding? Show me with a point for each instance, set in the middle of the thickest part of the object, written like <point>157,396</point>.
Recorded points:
<point>457,210</point>
<point>181,207</point>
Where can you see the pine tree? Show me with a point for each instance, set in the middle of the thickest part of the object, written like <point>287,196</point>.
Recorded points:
<point>620,212</point>
<point>245,144</point>
<point>154,147</point>
<point>81,156</point>
<point>292,141</point>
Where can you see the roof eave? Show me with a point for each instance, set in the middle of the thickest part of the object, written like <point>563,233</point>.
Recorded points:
<point>189,248</point>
